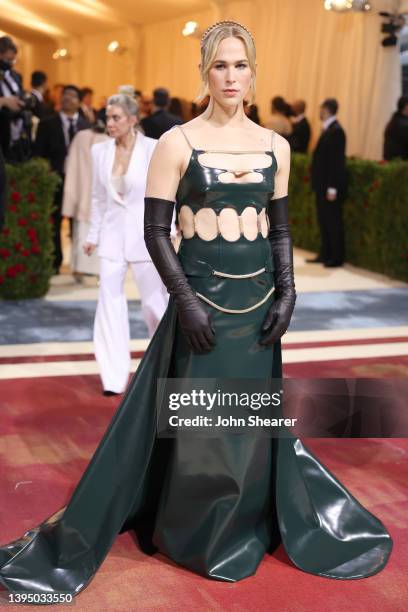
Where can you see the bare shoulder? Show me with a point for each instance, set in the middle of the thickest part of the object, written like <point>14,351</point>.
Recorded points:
<point>281,149</point>
<point>171,149</point>
<point>171,137</point>
<point>281,144</point>
<point>172,142</point>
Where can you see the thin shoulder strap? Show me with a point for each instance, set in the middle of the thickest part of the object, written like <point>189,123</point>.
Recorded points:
<point>273,140</point>
<point>185,136</point>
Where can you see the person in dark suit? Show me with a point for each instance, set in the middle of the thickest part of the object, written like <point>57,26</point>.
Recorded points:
<point>396,132</point>
<point>15,126</point>
<point>160,120</point>
<point>86,110</point>
<point>300,136</point>
<point>329,182</point>
<point>38,89</point>
<point>54,135</point>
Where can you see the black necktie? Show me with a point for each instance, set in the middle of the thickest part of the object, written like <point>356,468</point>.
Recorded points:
<point>71,129</point>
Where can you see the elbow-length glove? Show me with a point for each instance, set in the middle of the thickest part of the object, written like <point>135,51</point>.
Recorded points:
<point>279,314</point>
<point>194,318</point>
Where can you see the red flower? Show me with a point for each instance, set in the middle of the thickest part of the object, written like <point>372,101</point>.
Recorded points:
<point>306,179</point>
<point>20,267</point>
<point>51,221</point>
<point>11,272</point>
<point>25,252</point>
<point>383,162</point>
<point>35,249</point>
<point>16,197</point>
<point>365,204</point>
<point>1,279</point>
<point>12,208</point>
<point>34,215</point>
<point>22,222</point>
<point>32,233</point>
<point>4,253</point>
<point>6,231</point>
<point>30,197</point>
<point>18,246</point>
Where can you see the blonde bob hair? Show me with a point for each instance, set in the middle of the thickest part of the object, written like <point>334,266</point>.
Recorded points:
<point>209,49</point>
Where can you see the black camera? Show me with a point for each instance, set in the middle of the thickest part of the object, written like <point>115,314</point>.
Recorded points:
<point>29,101</point>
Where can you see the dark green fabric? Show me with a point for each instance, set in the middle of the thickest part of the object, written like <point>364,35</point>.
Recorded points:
<point>213,505</point>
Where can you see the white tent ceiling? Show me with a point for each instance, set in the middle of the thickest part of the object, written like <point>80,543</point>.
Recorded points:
<point>36,19</point>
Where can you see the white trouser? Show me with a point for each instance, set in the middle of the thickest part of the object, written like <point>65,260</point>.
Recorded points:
<point>111,328</point>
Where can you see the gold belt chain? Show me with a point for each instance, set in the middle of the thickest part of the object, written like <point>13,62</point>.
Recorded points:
<point>250,275</point>
<point>234,311</point>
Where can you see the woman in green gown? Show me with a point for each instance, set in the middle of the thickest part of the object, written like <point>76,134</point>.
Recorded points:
<point>215,505</point>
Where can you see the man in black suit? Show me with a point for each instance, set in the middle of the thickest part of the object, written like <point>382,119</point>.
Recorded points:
<point>396,132</point>
<point>329,182</point>
<point>54,135</point>
<point>160,120</point>
<point>15,124</point>
<point>38,89</point>
<point>300,136</point>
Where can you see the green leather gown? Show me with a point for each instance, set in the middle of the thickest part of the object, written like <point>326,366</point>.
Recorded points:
<point>213,505</point>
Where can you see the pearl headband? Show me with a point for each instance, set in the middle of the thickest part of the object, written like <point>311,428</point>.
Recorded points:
<point>221,23</point>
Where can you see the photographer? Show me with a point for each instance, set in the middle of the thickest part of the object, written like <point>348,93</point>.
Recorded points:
<point>12,104</point>
<point>15,118</point>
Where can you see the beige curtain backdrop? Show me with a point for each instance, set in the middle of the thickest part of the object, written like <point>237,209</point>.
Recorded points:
<point>303,51</point>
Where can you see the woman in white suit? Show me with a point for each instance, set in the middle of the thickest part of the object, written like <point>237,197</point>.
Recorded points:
<point>119,169</point>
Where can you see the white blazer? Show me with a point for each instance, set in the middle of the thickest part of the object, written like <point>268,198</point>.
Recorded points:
<point>116,222</point>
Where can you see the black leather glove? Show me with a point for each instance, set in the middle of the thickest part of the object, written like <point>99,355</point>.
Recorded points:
<point>194,318</point>
<point>279,314</point>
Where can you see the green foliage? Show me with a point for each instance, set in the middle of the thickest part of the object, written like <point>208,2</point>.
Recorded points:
<point>26,246</point>
<point>375,214</point>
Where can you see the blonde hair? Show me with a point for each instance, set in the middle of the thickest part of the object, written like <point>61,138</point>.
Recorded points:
<point>209,49</point>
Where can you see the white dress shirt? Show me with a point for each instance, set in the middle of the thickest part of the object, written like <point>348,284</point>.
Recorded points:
<point>298,118</point>
<point>332,191</point>
<point>38,95</point>
<point>65,125</point>
<point>329,121</point>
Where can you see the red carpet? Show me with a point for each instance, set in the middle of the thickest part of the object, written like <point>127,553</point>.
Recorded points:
<point>50,427</point>
<point>368,367</point>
